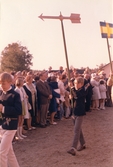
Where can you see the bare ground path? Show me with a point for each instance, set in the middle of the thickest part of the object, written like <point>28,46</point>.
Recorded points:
<point>48,147</point>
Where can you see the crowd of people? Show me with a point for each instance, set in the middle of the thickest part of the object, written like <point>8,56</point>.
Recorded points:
<point>29,100</point>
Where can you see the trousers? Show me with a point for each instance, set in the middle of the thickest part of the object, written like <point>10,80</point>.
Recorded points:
<point>78,135</point>
<point>43,114</point>
<point>7,155</point>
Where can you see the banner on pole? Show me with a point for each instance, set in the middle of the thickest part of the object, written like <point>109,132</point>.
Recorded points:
<point>106,30</point>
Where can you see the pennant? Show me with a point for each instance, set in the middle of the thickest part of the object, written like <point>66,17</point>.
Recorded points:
<point>106,30</point>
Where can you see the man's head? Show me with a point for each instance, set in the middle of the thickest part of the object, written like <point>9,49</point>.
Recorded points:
<point>86,76</point>
<point>78,82</point>
<point>43,75</point>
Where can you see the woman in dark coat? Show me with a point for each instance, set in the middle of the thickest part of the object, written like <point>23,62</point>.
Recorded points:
<point>53,102</point>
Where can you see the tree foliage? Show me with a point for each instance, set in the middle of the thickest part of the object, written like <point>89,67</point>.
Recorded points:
<point>15,57</point>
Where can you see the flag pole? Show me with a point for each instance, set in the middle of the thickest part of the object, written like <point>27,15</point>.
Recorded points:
<point>109,55</point>
<point>66,56</point>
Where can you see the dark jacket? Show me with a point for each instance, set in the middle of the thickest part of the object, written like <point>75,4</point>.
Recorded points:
<point>43,92</point>
<point>12,109</point>
<point>90,87</point>
<point>80,102</point>
<point>53,102</point>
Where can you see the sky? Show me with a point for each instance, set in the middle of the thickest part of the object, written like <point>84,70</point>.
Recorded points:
<point>19,22</point>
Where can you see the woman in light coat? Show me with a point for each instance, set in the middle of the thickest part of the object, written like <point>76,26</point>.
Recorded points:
<point>103,89</point>
<point>96,92</point>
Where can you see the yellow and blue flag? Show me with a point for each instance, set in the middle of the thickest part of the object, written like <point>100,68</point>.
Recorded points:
<point>106,30</point>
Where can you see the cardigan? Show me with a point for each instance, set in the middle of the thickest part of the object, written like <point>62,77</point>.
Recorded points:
<point>12,109</point>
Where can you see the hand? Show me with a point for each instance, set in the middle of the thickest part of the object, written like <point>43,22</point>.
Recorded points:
<point>50,96</point>
<point>1,107</point>
<point>70,96</point>
<point>26,97</point>
<point>111,75</point>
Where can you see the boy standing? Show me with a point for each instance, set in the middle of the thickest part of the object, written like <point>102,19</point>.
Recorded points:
<point>10,107</point>
<point>79,112</point>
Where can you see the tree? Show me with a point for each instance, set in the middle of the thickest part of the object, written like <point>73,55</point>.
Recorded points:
<point>15,57</point>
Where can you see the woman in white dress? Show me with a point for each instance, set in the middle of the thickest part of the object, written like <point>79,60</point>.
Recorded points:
<point>19,84</point>
<point>103,89</point>
<point>96,92</point>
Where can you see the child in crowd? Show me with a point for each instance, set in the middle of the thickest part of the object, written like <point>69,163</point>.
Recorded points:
<point>19,88</point>
<point>11,108</point>
<point>103,89</point>
<point>79,112</point>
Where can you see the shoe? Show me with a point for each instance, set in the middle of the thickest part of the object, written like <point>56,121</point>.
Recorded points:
<point>37,124</point>
<point>81,148</point>
<point>103,108</point>
<point>20,138</point>
<point>53,123</point>
<point>42,126</point>
<point>67,117</point>
<point>92,108</point>
<point>24,136</point>
<point>72,152</point>
<point>97,109</point>
<point>47,123</point>
<point>33,127</point>
<point>16,138</point>
<point>24,131</point>
<point>88,110</point>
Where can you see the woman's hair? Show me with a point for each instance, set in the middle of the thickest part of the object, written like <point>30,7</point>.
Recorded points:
<point>30,73</point>
<point>6,77</point>
<point>24,72</point>
<point>19,81</point>
<point>64,76</point>
<point>53,78</point>
<point>102,82</point>
<point>28,77</point>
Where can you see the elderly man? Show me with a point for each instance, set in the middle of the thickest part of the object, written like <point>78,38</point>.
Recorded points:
<point>44,95</point>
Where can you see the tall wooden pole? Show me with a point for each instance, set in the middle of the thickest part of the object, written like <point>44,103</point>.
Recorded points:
<point>65,48</point>
<point>109,55</point>
<point>75,18</point>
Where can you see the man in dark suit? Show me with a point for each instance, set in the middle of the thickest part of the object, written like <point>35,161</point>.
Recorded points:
<point>44,95</point>
<point>11,108</point>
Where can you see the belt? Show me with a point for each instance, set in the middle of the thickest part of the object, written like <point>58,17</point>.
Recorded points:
<point>10,118</point>
<point>14,118</point>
